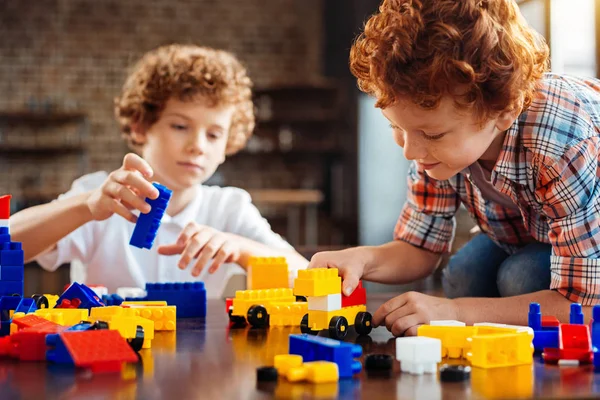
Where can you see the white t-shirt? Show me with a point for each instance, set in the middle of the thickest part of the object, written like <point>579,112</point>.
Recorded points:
<point>103,247</point>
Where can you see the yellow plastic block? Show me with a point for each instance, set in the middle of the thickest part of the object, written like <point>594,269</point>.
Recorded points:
<point>314,372</point>
<point>64,316</point>
<point>164,317</point>
<point>454,338</point>
<point>492,328</point>
<point>52,299</point>
<point>244,299</point>
<point>144,303</point>
<point>101,313</point>
<point>318,320</point>
<point>501,350</point>
<point>283,362</point>
<point>267,273</point>
<point>127,327</point>
<point>506,383</point>
<point>317,282</point>
<point>287,314</point>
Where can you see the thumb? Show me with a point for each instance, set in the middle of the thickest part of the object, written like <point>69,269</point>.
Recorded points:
<point>349,283</point>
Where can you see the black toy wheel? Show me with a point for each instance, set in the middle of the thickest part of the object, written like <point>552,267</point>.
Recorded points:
<point>99,325</point>
<point>363,324</point>
<point>137,342</point>
<point>41,301</point>
<point>258,316</point>
<point>236,319</point>
<point>378,362</point>
<point>301,298</point>
<point>338,327</point>
<point>304,328</point>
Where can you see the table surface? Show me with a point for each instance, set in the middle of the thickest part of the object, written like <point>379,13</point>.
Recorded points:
<point>207,359</point>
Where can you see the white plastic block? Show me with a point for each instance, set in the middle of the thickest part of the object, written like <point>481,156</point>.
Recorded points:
<point>131,292</point>
<point>331,302</point>
<point>519,328</point>
<point>4,223</point>
<point>419,354</point>
<point>100,290</point>
<point>447,322</point>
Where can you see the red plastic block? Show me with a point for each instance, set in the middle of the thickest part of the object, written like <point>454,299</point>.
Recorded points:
<point>358,297</point>
<point>549,321</point>
<point>29,344</point>
<point>5,206</point>
<point>66,303</point>
<point>101,350</point>
<point>29,320</point>
<point>575,344</point>
<point>228,304</point>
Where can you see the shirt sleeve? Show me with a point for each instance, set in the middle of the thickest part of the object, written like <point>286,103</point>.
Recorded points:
<point>569,193</point>
<point>427,219</point>
<point>79,244</point>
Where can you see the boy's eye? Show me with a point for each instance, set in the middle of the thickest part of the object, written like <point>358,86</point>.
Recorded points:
<point>427,136</point>
<point>394,127</point>
<point>214,135</point>
<point>178,127</point>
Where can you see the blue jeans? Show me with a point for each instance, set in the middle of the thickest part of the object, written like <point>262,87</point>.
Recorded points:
<point>482,269</point>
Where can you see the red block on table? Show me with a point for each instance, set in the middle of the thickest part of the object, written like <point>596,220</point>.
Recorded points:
<point>29,343</point>
<point>30,320</point>
<point>358,297</point>
<point>549,321</point>
<point>101,350</point>
<point>5,206</point>
<point>575,344</point>
<point>228,304</point>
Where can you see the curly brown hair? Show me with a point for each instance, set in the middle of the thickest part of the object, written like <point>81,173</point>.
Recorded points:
<point>480,52</point>
<point>186,72</point>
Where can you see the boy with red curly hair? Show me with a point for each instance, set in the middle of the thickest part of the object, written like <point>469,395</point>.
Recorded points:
<point>465,87</point>
<point>183,109</point>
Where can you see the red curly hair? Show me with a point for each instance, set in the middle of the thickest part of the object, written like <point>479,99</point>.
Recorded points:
<point>480,52</point>
<point>186,72</point>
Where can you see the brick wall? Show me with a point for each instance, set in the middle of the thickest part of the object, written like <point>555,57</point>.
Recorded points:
<point>73,54</point>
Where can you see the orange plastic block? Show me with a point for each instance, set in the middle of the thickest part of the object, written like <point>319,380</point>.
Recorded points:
<point>267,273</point>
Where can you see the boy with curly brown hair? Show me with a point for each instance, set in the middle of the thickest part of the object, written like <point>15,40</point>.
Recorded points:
<point>183,109</point>
<point>464,85</point>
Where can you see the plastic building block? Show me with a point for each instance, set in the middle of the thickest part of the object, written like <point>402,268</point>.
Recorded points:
<point>454,338</point>
<point>99,350</point>
<point>544,337</point>
<point>501,350</point>
<point>454,373</point>
<point>147,225</point>
<point>244,299</point>
<point>28,321</point>
<point>65,303</point>
<point>576,315</point>
<point>99,290</point>
<point>112,300</point>
<point>7,305</point>
<point>5,206</point>
<point>356,298</point>
<point>574,344</point>
<point>131,292</point>
<point>86,296</point>
<point>317,282</point>
<point>314,372</point>
<point>29,344</point>
<point>283,362</point>
<point>287,314</point>
<point>318,320</point>
<point>535,316</point>
<point>164,317</point>
<point>418,355</point>
<point>267,273</point>
<point>447,323</point>
<point>188,297</point>
<point>26,306</point>
<point>4,234</point>
<point>486,328</point>
<point>125,321</point>
<point>330,302</point>
<point>549,321</point>
<point>379,363</point>
<point>595,326</point>
<point>12,254</point>
<point>267,374</point>
<point>315,348</point>
<point>9,288</point>
<point>11,272</point>
<point>64,316</point>
<point>45,300</point>
<point>57,352</point>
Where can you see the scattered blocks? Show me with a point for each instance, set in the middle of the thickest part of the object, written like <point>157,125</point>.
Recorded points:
<point>267,273</point>
<point>574,345</point>
<point>283,362</point>
<point>164,317</point>
<point>544,336</point>
<point>418,355</point>
<point>64,316</point>
<point>315,348</point>
<point>86,297</point>
<point>147,225</point>
<point>188,297</point>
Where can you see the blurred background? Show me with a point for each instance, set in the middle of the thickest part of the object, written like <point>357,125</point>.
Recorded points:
<point>322,165</point>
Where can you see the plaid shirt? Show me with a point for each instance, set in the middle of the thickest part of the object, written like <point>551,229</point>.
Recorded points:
<point>549,166</point>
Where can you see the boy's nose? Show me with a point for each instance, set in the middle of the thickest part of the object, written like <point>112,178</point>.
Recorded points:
<point>198,143</point>
<point>413,148</point>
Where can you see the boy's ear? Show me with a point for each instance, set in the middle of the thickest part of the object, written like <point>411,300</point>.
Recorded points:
<point>138,133</point>
<point>506,119</point>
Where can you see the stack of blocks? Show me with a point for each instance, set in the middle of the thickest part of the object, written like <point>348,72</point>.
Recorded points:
<point>189,297</point>
<point>267,273</point>
<point>11,255</point>
<point>147,225</point>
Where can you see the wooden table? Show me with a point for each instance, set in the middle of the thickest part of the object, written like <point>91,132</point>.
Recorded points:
<point>209,360</point>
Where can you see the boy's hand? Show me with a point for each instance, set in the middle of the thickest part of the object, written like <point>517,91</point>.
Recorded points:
<point>403,314</point>
<point>203,243</point>
<point>351,264</point>
<point>124,190</point>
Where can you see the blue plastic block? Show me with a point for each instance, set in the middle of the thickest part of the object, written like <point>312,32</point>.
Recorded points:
<point>12,272</point>
<point>535,316</point>
<point>11,254</point>
<point>8,288</point>
<point>576,315</point>
<point>316,348</point>
<point>86,295</point>
<point>26,305</point>
<point>5,328</point>
<point>188,297</point>
<point>147,225</point>
<point>112,300</point>
<point>596,359</point>
<point>4,234</point>
<point>8,303</point>
<point>596,328</point>
<point>82,326</point>
<point>57,351</point>
<point>545,338</point>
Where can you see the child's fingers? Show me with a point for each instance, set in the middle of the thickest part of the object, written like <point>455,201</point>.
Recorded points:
<point>222,255</point>
<point>123,193</point>
<point>188,232</point>
<point>121,210</point>
<point>208,251</point>
<point>194,245</point>
<point>133,162</point>
<point>393,305</point>
<point>349,282</point>
<point>134,180</point>
<point>170,249</point>
<point>403,325</point>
